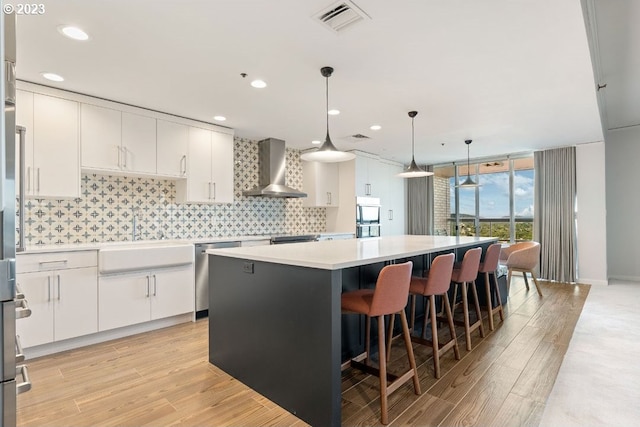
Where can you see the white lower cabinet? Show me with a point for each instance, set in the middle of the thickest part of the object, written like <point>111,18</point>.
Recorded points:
<point>139,296</point>
<point>63,304</point>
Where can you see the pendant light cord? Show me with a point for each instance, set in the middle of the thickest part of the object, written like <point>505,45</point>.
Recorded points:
<point>413,144</point>
<point>327,110</point>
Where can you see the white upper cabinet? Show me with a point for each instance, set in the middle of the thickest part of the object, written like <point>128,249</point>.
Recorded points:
<point>222,167</point>
<point>321,183</point>
<point>171,150</point>
<point>209,168</point>
<point>392,190</point>
<point>101,136</point>
<point>138,143</point>
<point>367,176</point>
<point>52,147</point>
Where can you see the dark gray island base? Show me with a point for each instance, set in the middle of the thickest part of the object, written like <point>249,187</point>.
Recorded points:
<point>277,326</point>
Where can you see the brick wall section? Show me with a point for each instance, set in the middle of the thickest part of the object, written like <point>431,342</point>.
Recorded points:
<point>441,205</point>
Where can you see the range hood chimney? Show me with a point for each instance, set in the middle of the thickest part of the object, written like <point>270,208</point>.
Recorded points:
<point>272,171</point>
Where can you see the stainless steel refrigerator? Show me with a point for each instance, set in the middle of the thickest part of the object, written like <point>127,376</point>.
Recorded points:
<point>11,305</point>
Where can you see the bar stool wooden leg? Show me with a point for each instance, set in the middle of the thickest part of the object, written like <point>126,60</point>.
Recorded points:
<point>383,372</point>
<point>412,359</point>
<point>474,291</point>
<point>434,336</point>
<point>390,335</point>
<point>533,276</point>
<point>465,311</point>
<point>487,287</point>
<point>452,328</point>
<point>413,313</point>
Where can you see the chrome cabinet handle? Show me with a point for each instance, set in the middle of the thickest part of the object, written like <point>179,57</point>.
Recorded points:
<point>124,157</point>
<point>119,156</point>
<point>391,214</point>
<point>19,293</point>
<point>214,191</point>
<point>19,351</point>
<point>25,385</point>
<point>38,181</point>
<point>57,261</point>
<point>183,169</point>
<point>155,285</point>
<point>328,197</point>
<point>29,178</point>
<point>148,280</point>
<point>49,288</point>
<point>22,309</point>
<point>59,295</point>
<point>209,191</point>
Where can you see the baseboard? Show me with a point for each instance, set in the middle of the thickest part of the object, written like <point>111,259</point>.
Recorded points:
<point>595,282</point>
<point>70,344</point>
<point>624,278</point>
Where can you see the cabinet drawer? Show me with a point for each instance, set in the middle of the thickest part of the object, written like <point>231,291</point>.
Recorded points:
<point>56,261</point>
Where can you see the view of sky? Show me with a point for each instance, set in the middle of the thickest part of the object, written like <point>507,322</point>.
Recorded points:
<point>494,195</point>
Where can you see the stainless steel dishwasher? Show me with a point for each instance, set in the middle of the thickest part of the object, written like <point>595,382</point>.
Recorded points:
<point>202,274</point>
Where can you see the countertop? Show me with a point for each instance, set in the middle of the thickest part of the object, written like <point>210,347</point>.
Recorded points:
<point>338,254</point>
<point>100,245</point>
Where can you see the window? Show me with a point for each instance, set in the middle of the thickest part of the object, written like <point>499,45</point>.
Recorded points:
<point>501,207</point>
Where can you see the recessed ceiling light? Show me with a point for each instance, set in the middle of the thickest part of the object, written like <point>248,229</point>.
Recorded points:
<point>73,32</point>
<point>258,84</point>
<point>316,142</point>
<point>219,118</point>
<point>375,127</point>
<point>333,112</point>
<point>53,77</point>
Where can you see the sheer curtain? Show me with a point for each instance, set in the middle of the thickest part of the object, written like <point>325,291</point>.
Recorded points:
<point>420,204</point>
<point>554,213</point>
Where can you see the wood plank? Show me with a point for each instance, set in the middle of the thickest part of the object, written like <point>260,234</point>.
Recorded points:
<point>427,411</point>
<point>518,411</point>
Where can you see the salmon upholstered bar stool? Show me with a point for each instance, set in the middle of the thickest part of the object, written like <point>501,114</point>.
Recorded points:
<point>436,283</point>
<point>489,267</point>
<point>464,276</point>
<point>522,257</point>
<point>388,298</point>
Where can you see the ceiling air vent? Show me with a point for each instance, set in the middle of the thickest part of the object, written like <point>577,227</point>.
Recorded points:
<point>358,137</point>
<point>341,15</point>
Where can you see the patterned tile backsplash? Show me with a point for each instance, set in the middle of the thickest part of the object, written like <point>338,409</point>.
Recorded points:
<point>105,211</point>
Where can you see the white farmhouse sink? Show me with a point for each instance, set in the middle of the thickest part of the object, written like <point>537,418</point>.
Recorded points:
<point>144,256</point>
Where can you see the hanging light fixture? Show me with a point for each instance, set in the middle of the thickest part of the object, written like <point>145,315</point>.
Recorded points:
<point>327,153</point>
<point>468,183</point>
<point>413,171</point>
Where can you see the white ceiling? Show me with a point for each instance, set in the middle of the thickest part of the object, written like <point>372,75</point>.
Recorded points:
<point>511,75</point>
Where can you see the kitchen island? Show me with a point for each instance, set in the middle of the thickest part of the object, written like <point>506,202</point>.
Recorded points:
<point>275,321</point>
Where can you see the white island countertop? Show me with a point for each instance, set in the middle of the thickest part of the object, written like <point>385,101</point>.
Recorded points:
<point>338,254</point>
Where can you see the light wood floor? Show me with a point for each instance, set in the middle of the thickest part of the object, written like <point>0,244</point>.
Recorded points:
<point>163,378</point>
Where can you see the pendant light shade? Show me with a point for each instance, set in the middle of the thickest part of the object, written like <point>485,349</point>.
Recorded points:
<point>468,183</point>
<point>327,153</point>
<point>413,171</point>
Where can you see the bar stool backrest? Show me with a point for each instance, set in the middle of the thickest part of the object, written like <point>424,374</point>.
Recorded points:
<point>469,267</point>
<point>392,289</point>
<point>490,263</point>
<point>439,279</point>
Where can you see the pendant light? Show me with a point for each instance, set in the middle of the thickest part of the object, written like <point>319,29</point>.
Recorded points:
<point>413,171</point>
<point>468,183</point>
<point>327,153</point>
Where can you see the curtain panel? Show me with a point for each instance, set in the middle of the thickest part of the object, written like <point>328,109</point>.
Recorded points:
<point>420,204</point>
<point>554,224</point>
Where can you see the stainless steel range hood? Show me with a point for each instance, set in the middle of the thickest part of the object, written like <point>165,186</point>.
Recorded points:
<point>272,171</point>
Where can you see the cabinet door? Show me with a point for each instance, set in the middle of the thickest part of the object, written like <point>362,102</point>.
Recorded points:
<point>56,148</point>
<point>197,187</point>
<point>38,290</point>
<point>172,140</point>
<point>123,300</point>
<point>76,302</point>
<point>24,118</point>
<point>172,292</point>
<point>222,167</point>
<point>101,137</point>
<point>321,183</point>
<point>138,143</point>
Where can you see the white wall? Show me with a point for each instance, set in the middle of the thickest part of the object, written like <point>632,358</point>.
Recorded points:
<point>623,203</point>
<point>592,213</point>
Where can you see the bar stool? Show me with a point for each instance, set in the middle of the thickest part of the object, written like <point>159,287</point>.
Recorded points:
<point>388,298</point>
<point>463,276</point>
<point>490,266</point>
<point>437,282</point>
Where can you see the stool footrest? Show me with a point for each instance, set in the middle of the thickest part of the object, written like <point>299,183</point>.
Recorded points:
<point>441,347</point>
